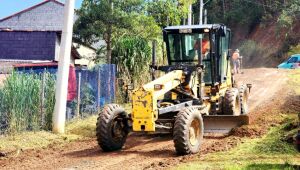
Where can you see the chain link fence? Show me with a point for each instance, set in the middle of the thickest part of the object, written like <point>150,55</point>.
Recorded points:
<point>96,88</point>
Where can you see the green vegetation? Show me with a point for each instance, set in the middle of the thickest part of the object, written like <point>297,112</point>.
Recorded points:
<point>21,99</point>
<point>82,127</point>
<point>134,56</point>
<point>102,19</point>
<point>251,48</point>
<point>294,82</point>
<point>289,13</point>
<point>235,12</point>
<point>250,13</point>
<point>268,152</point>
<point>77,129</point>
<point>294,50</point>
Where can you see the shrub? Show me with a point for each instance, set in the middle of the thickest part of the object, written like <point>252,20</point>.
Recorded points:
<point>249,48</point>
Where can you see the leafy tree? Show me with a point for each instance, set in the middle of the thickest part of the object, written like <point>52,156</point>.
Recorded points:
<point>168,12</point>
<point>234,12</point>
<point>100,19</point>
<point>134,55</point>
<point>132,51</point>
<point>289,13</point>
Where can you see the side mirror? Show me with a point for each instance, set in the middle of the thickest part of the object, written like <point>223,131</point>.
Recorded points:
<point>165,36</point>
<point>222,31</point>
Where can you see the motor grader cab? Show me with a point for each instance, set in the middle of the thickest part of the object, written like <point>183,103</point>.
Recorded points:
<point>196,94</point>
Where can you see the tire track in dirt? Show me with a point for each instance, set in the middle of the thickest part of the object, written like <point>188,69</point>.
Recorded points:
<point>265,83</point>
<point>144,152</point>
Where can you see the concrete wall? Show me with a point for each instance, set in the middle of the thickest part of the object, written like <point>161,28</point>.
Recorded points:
<point>46,17</point>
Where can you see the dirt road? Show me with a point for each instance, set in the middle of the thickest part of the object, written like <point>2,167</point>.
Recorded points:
<point>142,152</point>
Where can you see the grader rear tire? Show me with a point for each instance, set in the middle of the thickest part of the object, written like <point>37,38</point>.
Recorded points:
<point>188,131</point>
<point>232,103</point>
<point>244,94</point>
<point>111,128</point>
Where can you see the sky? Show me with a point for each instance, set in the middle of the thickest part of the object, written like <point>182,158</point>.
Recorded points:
<point>9,7</point>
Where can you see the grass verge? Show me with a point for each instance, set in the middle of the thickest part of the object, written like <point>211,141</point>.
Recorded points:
<point>294,80</point>
<point>75,130</point>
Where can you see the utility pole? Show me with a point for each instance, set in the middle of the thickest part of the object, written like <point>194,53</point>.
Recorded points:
<point>205,16</point>
<point>201,12</point>
<point>59,115</point>
<point>190,15</point>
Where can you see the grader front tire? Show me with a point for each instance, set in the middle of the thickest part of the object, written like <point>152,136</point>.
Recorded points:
<point>232,102</point>
<point>188,131</point>
<point>244,94</point>
<point>111,128</point>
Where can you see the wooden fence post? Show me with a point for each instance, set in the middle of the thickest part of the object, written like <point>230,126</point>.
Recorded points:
<point>43,97</point>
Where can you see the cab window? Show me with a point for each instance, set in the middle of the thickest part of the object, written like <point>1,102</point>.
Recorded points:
<point>185,48</point>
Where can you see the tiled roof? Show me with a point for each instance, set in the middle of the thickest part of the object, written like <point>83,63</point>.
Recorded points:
<point>45,16</point>
<point>30,8</point>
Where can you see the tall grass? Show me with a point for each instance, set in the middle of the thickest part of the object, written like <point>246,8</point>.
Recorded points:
<point>49,100</point>
<point>21,102</point>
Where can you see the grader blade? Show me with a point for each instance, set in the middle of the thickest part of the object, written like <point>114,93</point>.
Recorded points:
<point>223,123</point>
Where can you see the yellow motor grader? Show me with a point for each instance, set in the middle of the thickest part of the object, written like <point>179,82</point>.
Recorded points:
<point>196,94</point>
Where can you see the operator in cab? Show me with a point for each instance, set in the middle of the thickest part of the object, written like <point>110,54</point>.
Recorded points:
<point>204,49</point>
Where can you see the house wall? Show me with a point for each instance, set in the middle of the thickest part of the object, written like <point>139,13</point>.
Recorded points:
<point>57,50</point>
<point>46,17</point>
<point>20,45</point>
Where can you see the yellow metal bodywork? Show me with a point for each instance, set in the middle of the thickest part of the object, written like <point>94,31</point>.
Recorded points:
<point>144,100</point>
<point>223,86</point>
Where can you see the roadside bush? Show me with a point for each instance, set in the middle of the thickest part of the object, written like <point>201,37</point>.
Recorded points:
<point>249,48</point>
<point>294,50</point>
<point>252,52</point>
<point>23,106</point>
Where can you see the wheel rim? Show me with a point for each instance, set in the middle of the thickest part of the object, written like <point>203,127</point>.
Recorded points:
<point>194,132</point>
<point>118,129</point>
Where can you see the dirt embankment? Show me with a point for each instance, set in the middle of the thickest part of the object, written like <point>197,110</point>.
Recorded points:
<point>157,152</point>
<point>266,44</point>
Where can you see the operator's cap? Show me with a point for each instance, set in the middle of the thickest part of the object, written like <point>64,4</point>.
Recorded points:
<point>237,50</point>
